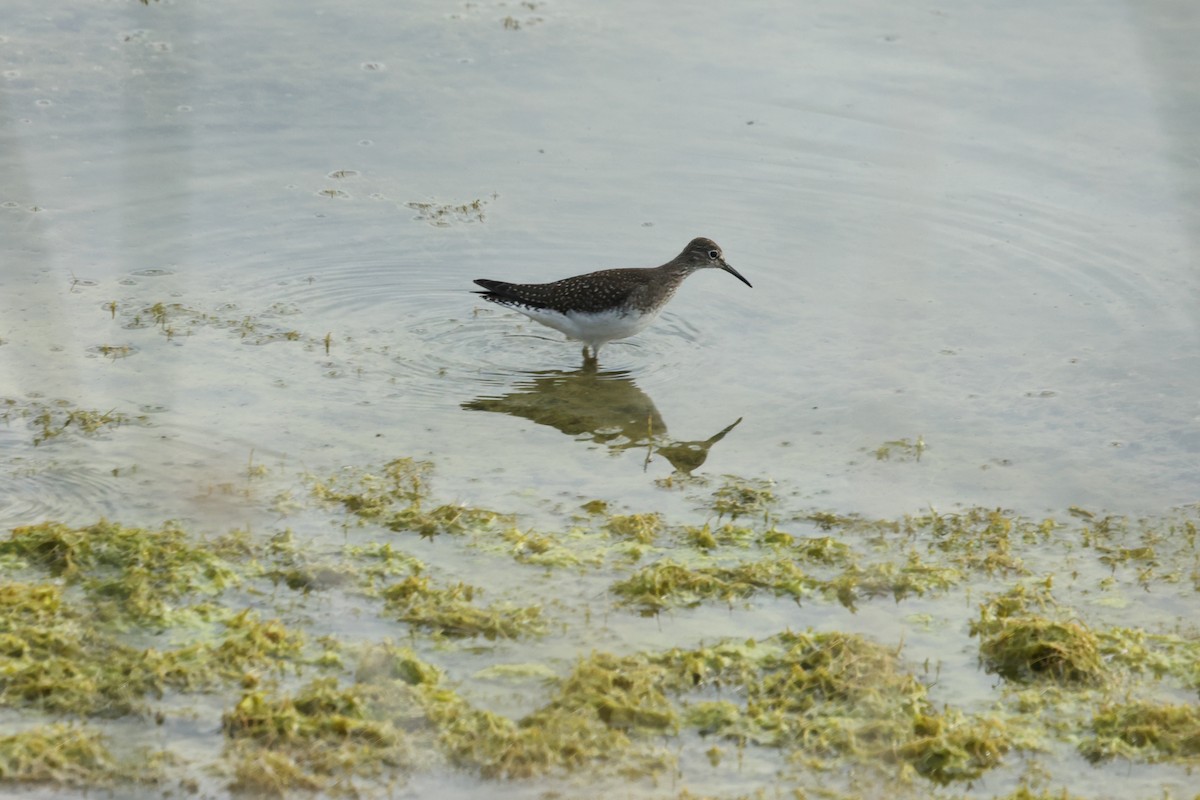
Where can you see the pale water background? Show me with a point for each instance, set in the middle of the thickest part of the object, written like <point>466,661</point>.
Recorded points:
<point>977,224</point>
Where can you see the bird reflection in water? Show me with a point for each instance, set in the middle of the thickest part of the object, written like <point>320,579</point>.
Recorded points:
<point>605,407</point>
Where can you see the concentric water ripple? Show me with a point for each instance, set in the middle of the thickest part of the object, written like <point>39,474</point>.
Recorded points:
<point>36,489</point>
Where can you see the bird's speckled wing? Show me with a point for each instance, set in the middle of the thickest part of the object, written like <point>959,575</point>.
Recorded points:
<point>590,293</point>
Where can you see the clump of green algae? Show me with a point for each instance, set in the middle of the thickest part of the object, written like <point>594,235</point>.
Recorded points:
<point>451,611</point>
<point>131,574</point>
<point>667,583</point>
<point>65,755</point>
<point>1024,646</point>
<point>1143,731</point>
<point>397,500</point>
<point>321,733</point>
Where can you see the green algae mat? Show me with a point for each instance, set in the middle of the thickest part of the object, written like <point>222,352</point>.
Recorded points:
<point>419,643</point>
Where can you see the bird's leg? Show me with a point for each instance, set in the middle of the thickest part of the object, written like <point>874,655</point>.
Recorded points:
<point>589,357</point>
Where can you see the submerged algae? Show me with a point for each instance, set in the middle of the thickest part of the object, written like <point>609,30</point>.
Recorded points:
<point>66,755</point>
<point>832,698</point>
<point>1023,647</point>
<point>321,734</point>
<point>1144,732</point>
<point>51,420</point>
<point>57,661</point>
<point>451,611</point>
<point>827,703</point>
<point>738,497</point>
<point>668,584</point>
<point>132,575</point>
<point>397,499</point>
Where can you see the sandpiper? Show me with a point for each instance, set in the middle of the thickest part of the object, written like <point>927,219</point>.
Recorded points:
<point>610,304</point>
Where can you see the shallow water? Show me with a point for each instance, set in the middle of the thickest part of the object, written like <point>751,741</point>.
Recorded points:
<point>975,226</point>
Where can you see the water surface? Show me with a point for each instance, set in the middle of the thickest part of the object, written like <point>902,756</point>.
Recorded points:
<point>973,226</point>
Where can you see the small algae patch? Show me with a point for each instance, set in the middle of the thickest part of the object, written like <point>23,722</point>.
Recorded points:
<point>64,755</point>
<point>266,773</point>
<point>978,539</point>
<point>497,747</point>
<point>737,497</point>
<point>592,720</point>
<point>300,571</point>
<point>914,577</point>
<point>54,419</point>
<point>320,735</point>
<point>1144,732</point>
<point>901,450</point>
<point>705,537</point>
<point>669,584</point>
<point>1024,647</point>
<point>641,528</point>
<point>595,507</point>
<point>57,660</point>
<point>539,549</point>
<point>948,746</point>
<point>1156,654</point>
<point>1025,793</point>
<point>831,698</point>
<point>378,564</point>
<point>404,481</point>
<point>176,321</point>
<point>443,215</point>
<point>398,499</point>
<point>451,611</point>
<point>251,643</point>
<point>626,693</point>
<point>567,733</point>
<point>133,575</point>
<point>809,549</point>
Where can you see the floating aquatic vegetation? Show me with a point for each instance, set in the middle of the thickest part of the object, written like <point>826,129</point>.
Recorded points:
<point>451,611</point>
<point>67,755</point>
<point>443,215</point>
<point>641,528</point>
<point>739,497</point>
<point>668,583</point>
<point>1144,731</point>
<point>1023,646</point>
<point>177,322</point>
<point>901,450</point>
<point>564,550</point>
<point>832,696</point>
<point>57,660</point>
<point>321,735</point>
<point>83,604</point>
<point>913,577</point>
<point>705,537</point>
<point>52,420</point>
<point>397,499</point>
<point>588,722</point>
<point>1160,655</point>
<point>133,575</point>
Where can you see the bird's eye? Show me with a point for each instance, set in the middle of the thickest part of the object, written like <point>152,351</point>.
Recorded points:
<point>713,254</point>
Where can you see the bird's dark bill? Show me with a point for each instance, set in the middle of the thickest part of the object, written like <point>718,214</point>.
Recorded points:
<point>736,274</point>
